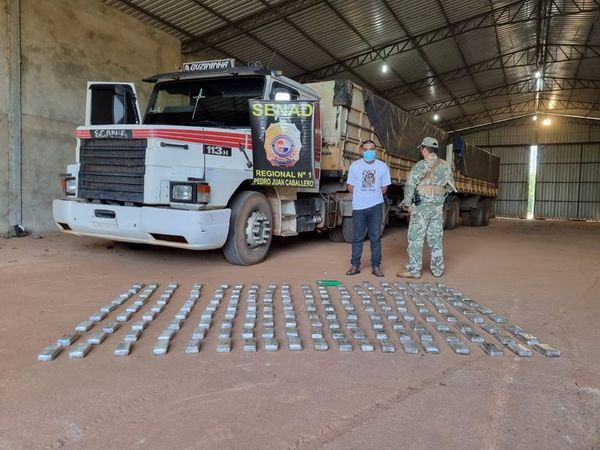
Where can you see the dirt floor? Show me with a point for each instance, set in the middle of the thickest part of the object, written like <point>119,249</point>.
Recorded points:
<point>544,276</point>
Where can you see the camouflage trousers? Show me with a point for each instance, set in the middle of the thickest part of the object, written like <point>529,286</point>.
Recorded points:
<point>426,221</point>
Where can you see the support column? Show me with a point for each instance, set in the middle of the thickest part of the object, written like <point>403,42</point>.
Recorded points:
<point>15,160</point>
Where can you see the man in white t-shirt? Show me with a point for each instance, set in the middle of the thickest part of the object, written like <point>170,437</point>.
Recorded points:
<point>368,179</point>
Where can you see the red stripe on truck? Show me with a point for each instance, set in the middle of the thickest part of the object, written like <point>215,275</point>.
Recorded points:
<point>223,139</point>
<point>201,137</point>
<point>83,134</point>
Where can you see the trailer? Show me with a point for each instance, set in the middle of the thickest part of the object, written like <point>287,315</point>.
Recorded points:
<point>228,157</point>
<point>352,114</point>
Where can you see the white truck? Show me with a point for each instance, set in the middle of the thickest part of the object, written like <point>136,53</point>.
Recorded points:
<point>184,175</point>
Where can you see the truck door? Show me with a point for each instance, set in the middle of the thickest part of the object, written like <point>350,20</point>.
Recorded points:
<point>110,103</point>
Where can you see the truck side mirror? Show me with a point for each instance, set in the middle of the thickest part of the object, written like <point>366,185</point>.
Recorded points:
<point>283,97</point>
<point>111,104</point>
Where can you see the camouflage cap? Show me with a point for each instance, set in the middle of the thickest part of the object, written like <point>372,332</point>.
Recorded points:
<point>430,143</point>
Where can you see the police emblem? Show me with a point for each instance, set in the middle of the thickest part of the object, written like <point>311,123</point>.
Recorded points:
<point>282,144</point>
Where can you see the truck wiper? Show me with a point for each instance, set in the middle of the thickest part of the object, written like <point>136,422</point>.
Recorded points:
<point>248,162</point>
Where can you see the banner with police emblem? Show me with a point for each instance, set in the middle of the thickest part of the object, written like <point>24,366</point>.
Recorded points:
<point>282,143</point>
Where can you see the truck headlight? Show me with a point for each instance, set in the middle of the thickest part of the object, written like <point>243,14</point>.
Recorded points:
<point>191,192</point>
<point>182,192</point>
<point>69,185</point>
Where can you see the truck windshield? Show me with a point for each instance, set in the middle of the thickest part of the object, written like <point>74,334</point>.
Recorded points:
<point>220,102</point>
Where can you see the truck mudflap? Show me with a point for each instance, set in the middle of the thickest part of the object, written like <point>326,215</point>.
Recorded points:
<point>194,230</point>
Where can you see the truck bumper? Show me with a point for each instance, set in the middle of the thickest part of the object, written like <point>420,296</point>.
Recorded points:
<point>195,230</point>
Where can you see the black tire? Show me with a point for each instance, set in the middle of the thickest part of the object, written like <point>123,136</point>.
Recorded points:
<point>445,216</point>
<point>335,234</point>
<point>384,219</point>
<point>476,216</point>
<point>249,209</point>
<point>348,230</point>
<point>486,205</point>
<point>345,232</point>
<point>464,218</point>
<point>452,213</point>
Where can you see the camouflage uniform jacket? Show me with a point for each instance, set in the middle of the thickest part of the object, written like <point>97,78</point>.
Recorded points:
<point>441,176</point>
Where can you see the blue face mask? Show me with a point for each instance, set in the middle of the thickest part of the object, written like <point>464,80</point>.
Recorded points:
<point>369,155</point>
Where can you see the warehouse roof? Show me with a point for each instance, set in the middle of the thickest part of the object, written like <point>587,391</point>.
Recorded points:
<point>470,62</point>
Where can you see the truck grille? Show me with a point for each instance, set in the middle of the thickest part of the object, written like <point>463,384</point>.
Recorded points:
<point>112,169</point>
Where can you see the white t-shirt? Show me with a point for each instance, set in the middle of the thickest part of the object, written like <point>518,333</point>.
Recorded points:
<point>367,180</point>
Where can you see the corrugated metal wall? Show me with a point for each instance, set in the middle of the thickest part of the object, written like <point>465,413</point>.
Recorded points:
<point>568,181</point>
<point>568,170</point>
<point>589,186</point>
<point>512,188</point>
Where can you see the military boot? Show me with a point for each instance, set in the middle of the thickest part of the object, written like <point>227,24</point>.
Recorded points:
<point>407,274</point>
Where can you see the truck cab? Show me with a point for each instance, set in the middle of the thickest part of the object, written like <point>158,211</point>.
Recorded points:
<point>180,175</point>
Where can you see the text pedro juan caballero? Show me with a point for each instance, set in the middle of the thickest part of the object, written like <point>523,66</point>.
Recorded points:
<point>282,141</point>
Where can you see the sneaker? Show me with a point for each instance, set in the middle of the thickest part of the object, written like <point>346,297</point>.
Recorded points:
<point>353,271</point>
<point>407,274</point>
<point>377,272</point>
<point>437,274</point>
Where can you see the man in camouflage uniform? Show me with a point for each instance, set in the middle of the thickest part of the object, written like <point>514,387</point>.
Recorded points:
<point>432,178</point>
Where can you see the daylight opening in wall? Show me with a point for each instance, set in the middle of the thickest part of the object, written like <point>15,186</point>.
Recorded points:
<point>531,181</point>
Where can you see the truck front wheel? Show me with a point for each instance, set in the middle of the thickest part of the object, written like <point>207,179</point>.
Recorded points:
<point>250,229</point>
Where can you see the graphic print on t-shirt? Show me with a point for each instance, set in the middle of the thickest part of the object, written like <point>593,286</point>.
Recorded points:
<point>368,180</point>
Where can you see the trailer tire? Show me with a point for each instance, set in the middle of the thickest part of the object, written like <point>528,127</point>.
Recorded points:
<point>348,230</point>
<point>476,215</point>
<point>384,219</point>
<point>250,230</point>
<point>452,213</point>
<point>444,215</point>
<point>492,208</point>
<point>487,211</point>
<point>345,232</point>
<point>464,218</point>
<point>336,235</point>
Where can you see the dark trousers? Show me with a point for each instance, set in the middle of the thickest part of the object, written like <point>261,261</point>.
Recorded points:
<point>367,221</point>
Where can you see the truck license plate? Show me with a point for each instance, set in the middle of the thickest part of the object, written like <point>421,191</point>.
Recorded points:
<point>106,226</point>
